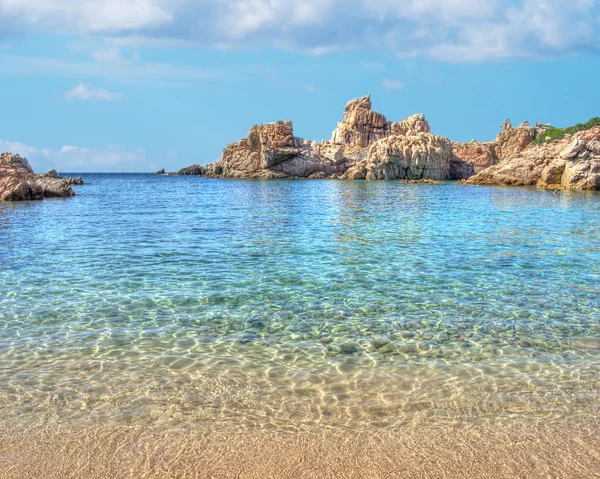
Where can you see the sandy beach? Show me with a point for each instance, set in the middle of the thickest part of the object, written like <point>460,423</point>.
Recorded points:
<point>557,449</point>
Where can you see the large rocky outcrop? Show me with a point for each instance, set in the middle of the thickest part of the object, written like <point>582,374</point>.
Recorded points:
<point>570,163</point>
<point>363,145</point>
<point>19,183</point>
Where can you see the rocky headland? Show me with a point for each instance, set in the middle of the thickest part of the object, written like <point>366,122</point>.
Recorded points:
<point>571,163</point>
<point>18,182</point>
<point>365,145</point>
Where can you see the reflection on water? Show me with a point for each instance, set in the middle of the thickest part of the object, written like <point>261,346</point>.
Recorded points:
<point>295,304</point>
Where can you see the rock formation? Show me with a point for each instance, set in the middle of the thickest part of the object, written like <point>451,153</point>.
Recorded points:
<point>19,183</point>
<point>160,172</point>
<point>415,157</point>
<point>363,146</point>
<point>361,126</point>
<point>480,156</point>
<point>53,174</point>
<point>194,170</point>
<point>570,163</point>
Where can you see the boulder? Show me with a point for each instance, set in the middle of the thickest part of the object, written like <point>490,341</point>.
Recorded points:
<point>160,172</point>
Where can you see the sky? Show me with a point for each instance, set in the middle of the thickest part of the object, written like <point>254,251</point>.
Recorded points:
<point>139,85</point>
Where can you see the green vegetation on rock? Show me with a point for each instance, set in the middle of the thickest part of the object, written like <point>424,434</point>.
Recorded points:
<point>552,133</point>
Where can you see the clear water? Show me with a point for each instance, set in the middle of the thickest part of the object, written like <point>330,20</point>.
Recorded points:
<point>299,304</point>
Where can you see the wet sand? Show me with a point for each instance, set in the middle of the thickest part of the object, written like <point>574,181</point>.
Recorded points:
<point>558,449</point>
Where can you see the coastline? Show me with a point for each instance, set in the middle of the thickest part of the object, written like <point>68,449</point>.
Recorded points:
<point>559,449</point>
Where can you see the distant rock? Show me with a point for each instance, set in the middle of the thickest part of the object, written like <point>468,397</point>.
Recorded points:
<point>53,174</point>
<point>19,183</point>
<point>194,170</point>
<point>74,181</point>
<point>160,172</point>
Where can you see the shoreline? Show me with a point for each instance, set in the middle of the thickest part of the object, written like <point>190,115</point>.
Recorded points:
<point>562,448</point>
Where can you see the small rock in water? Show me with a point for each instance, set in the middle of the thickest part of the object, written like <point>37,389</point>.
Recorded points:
<point>349,348</point>
<point>389,348</point>
<point>379,343</point>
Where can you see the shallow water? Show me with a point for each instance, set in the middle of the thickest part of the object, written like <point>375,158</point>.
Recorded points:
<point>290,305</point>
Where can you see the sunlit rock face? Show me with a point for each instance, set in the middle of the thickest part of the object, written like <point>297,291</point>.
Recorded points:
<point>361,126</point>
<point>572,162</point>
<point>415,157</point>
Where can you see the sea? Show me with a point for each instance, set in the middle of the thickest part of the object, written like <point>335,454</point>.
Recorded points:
<point>295,305</point>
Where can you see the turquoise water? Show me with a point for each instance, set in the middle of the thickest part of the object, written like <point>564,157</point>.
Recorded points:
<point>299,304</point>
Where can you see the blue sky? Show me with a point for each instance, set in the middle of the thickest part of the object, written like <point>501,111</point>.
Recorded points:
<point>137,85</point>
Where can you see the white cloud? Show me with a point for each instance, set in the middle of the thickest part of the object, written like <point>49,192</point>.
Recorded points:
<point>448,30</point>
<point>87,92</point>
<point>392,84</point>
<point>112,158</point>
<point>87,16</point>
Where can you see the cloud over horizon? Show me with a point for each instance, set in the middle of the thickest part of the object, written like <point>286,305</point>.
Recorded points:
<point>446,30</point>
<point>87,92</point>
<point>112,158</point>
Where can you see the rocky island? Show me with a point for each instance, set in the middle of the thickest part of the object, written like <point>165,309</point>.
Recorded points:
<point>18,182</point>
<point>365,145</point>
